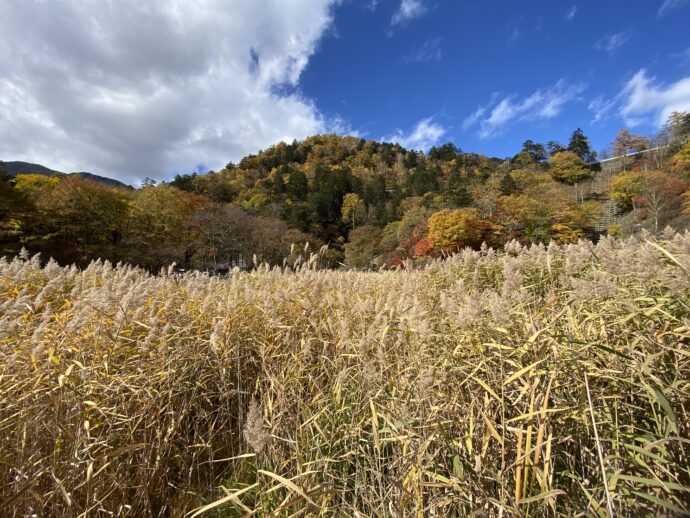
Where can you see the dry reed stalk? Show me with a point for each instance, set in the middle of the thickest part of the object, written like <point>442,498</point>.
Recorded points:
<point>449,390</point>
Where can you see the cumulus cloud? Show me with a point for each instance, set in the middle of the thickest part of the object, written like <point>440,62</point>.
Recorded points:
<point>408,10</point>
<point>494,117</point>
<point>571,13</point>
<point>429,51</point>
<point>139,88</point>
<point>669,5</point>
<point>613,42</point>
<point>646,101</point>
<point>424,135</point>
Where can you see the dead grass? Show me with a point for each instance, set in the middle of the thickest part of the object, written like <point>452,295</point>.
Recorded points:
<point>534,382</point>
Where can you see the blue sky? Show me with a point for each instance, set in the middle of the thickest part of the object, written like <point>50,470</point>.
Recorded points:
<point>138,88</point>
<point>450,58</point>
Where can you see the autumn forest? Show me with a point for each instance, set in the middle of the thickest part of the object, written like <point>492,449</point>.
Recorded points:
<point>373,204</point>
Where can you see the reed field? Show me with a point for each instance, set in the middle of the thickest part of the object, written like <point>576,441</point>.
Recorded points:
<point>540,381</point>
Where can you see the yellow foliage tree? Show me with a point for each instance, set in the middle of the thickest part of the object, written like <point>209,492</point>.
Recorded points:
<point>34,185</point>
<point>681,160</point>
<point>624,188</point>
<point>569,168</point>
<point>450,230</point>
<point>353,211</point>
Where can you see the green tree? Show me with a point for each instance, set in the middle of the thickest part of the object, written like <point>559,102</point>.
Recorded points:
<point>446,152</point>
<point>536,152</point>
<point>8,197</point>
<point>363,246</point>
<point>14,212</point>
<point>297,185</point>
<point>184,182</point>
<point>328,190</point>
<point>422,180</point>
<point>508,184</point>
<point>456,190</point>
<point>375,197</point>
<point>215,186</point>
<point>389,239</point>
<point>579,144</point>
<point>554,147</point>
<point>525,179</point>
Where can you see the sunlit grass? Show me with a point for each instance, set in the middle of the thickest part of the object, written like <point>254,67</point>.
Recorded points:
<point>529,382</point>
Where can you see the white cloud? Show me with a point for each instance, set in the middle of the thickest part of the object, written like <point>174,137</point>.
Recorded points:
<point>646,101</point>
<point>643,100</point>
<point>474,117</point>
<point>613,42</point>
<point>571,13</point>
<point>542,104</point>
<point>424,135</point>
<point>429,51</point>
<point>408,10</point>
<point>135,88</point>
<point>601,107</point>
<point>669,5</point>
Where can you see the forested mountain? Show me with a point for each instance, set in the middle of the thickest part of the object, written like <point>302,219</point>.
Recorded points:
<point>373,203</point>
<point>15,168</point>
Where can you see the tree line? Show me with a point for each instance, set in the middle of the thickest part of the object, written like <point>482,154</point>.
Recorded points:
<point>373,203</point>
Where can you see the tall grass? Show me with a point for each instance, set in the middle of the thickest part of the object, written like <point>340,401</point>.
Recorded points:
<point>532,382</point>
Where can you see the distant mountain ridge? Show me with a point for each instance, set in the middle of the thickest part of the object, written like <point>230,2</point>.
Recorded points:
<point>15,168</point>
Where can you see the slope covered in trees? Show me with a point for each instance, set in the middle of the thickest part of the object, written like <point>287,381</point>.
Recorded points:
<point>372,203</point>
<point>19,168</point>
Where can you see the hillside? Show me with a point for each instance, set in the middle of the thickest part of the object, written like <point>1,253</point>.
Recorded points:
<point>101,179</point>
<point>14,168</point>
<point>378,197</point>
<point>374,204</point>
